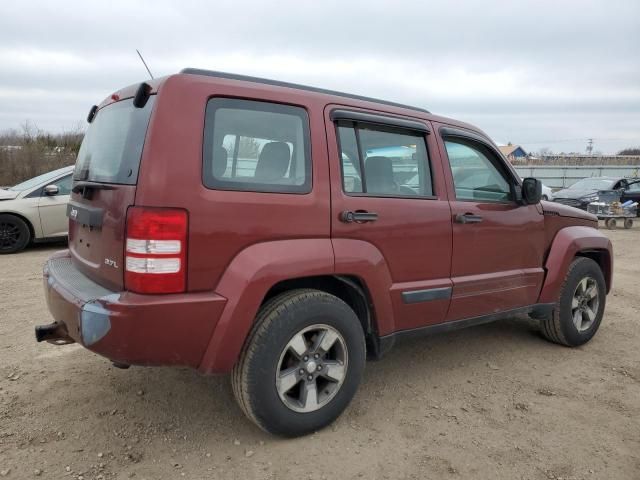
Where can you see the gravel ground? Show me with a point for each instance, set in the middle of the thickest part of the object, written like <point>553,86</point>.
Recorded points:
<point>494,401</point>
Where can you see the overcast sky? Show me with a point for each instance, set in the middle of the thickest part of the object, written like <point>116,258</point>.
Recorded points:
<point>538,73</point>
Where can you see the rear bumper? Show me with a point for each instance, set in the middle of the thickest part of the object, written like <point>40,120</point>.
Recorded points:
<point>125,327</point>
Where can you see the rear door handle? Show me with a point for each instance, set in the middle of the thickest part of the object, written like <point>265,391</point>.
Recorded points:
<point>467,218</point>
<point>359,216</point>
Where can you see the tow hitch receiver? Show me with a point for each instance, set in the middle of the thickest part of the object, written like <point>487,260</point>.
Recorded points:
<point>55,333</point>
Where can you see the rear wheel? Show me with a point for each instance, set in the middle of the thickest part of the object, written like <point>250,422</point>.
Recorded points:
<point>610,223</point>
<point>301,364</point>
<point>628,223</point>
<point>580,306</point>
<point>14,234</point>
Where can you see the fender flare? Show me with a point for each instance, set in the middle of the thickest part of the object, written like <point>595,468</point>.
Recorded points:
<point>365,261</point>
<point>567,244</point>
<point>257,268</point>
<point>246,281</point>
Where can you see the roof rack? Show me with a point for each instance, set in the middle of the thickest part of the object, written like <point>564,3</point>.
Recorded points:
<point>278,83</point>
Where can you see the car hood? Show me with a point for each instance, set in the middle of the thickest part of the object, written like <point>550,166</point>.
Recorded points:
<point>574,192</point>
<point>8,194</point>
<point>552,208</point>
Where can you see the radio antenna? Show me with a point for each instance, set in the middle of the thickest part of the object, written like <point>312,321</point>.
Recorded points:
<point>144,63</point>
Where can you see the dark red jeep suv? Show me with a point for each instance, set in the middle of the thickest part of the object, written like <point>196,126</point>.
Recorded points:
<point>285,233</point>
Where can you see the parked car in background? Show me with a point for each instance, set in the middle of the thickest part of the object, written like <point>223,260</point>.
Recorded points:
<point>632,192</point>
<point>35,210</point>
<point>585,191</point>
<point>547,193</point>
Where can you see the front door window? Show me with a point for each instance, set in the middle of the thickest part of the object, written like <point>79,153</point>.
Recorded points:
<point>475,174</point>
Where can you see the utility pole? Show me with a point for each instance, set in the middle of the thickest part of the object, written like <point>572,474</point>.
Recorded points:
<point>589,146</point>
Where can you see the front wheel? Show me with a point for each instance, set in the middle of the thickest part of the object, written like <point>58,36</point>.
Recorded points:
<point>580,306</point>
<point>301,364</point>
<point>14,234</point>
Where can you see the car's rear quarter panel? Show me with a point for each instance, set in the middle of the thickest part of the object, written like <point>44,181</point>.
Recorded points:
<point>223,223</point>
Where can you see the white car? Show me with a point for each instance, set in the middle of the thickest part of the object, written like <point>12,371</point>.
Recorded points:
<point>35,210</point>
<point>547,193</point>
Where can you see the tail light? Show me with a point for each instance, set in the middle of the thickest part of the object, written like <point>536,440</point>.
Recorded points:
<point>156,250</point>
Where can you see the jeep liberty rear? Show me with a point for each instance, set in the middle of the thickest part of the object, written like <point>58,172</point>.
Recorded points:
<point>284,233</point>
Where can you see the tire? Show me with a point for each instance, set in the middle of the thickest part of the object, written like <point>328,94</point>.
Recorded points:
<point>544,197</point>
<point>562,326</point>
<point>14,234</point>
<point>611,223</point>
<point>628,223</point>
<point>258,379</point>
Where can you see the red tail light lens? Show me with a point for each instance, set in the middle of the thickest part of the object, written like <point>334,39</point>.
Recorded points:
<point>156,250</point>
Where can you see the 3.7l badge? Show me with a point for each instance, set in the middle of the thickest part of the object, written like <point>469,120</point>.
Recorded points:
<point>110,263</point>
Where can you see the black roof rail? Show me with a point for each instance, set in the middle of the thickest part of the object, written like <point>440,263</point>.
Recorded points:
<point>278,83</point>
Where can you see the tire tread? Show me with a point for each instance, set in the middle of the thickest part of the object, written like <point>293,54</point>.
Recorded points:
<point>269,313</point>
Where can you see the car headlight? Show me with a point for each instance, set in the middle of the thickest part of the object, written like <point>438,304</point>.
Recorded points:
<point>592,197</point>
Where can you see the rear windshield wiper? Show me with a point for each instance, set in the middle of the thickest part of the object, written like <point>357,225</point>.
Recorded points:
<point>86,188</point>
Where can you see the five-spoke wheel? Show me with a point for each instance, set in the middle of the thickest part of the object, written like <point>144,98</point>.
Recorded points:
<point>312,368</point>
<point>585,303</point>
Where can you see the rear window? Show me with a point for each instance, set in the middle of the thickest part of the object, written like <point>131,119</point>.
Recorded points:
<point>256,146</point>
<point>112,146</point>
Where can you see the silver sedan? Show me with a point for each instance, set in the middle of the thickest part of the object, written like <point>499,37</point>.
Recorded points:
<point>35,210</point>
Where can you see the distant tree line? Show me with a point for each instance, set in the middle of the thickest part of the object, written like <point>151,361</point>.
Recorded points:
<point>630,151</point>
<point>30,151</point>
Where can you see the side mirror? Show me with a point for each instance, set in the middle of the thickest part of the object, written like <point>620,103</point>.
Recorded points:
<point>531,191</point>
<point>51,190</point>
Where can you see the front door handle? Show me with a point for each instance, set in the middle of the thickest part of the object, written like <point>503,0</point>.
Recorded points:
<point>467,218</point>
<point>359,216</point>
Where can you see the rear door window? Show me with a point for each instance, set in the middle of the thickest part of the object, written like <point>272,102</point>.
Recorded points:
<point>379,161</point>
<point>256,146</point>
<point>112,146</point>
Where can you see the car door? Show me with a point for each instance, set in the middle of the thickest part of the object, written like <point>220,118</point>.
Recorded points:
<point>632,192</point>
<point>388,199</point>
<point>498,243</point>
<point>53,208</point>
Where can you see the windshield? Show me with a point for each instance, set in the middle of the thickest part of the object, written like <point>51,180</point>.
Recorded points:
<point>40,179</point>
<point>592,184</point>
<point>634,187</point>
<point>112,147</point>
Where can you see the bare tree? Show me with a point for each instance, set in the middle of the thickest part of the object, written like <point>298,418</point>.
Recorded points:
<point>31,151</point>
<point>630,151</point>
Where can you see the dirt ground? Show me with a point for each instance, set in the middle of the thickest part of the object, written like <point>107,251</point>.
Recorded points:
<point>490,402</point>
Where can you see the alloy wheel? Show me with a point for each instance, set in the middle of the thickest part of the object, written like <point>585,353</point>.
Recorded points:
<point>9,235</point>
<point>312,368</point>
<point>585,303</point>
